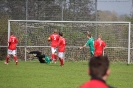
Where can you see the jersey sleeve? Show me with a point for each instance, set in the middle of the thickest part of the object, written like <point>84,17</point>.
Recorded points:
<point>16,40</point>
<point>87,43</point>
<point>104,44</point>
<point>95,44</point>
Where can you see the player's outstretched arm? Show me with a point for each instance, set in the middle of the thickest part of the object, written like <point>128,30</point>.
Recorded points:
<point>82,46</point>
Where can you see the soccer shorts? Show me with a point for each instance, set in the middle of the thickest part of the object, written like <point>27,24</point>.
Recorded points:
<point>53,49</point>
<point>61,55</point>
<point>12,52</point>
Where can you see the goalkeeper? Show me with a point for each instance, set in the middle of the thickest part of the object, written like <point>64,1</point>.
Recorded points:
<point>42,58</point>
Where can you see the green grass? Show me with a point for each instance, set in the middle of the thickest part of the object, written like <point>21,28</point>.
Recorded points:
<point>32,74</point>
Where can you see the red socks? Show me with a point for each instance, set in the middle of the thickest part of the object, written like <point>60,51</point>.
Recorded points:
<point>16,59</point>
<point>7,59</point>
<point>61,62</point>
<point>54,57</point>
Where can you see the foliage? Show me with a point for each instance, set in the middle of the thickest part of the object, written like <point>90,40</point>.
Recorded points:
<point>130,18</point>
<point>48,9</point>
<point>3,34</point>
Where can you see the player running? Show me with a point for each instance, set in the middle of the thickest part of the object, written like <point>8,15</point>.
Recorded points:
<point>99,45</point>
<point>12,43</point>
<point>61,50</point>
<point>54,38</point>
<point>89,43</point>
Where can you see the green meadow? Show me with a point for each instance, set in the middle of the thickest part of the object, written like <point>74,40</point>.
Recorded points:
<point>32,74</point>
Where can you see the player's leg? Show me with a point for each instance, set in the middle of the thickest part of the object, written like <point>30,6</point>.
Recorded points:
<point>54,55</point>
<point>92,53</point>
<point>35,52</point>
<point>8,56</point>
<point>61,58</point>
<point>7,59</point>
<point>40,58</point>
<point>15,56</point>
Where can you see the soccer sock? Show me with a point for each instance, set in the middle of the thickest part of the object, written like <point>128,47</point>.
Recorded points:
<point>7,59</point>
<point>16,59</point>
<point>53,56</point>
<point>62,62</point>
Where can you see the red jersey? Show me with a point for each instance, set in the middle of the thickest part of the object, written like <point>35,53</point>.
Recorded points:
<point>62,44</point>
<point>12,42</point>
<point>94,84</point>
<point>99,47</point>
<point>54,40</point>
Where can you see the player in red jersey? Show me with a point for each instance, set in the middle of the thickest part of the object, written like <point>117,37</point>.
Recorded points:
<point>62,48</point>
<point>99,45</point>
<point>54,38</point>
<point>99,72</point>
<point>12,43</point>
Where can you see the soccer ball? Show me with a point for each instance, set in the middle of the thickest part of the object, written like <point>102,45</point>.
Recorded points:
<point>49,39</point>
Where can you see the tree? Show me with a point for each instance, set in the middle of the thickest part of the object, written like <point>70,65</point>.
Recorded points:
<point>107,16</point>
<point>129,18</point>
<point>3,35</point>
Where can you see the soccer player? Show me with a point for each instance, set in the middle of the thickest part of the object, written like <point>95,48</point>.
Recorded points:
<point>99,45</point>
<point>89,43</point>
<point>12,43</point>
<point>41,57</point>
<point>61,50</point>
<point>54,38</point>
<point>99,72</point>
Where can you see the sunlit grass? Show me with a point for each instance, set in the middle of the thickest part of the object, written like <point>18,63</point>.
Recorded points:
<point>32,74</point>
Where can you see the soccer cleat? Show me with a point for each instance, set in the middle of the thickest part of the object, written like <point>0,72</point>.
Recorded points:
<point>6,63</point>
<point>54,62</point>
<point>62,65</point>
<point>16,63</point>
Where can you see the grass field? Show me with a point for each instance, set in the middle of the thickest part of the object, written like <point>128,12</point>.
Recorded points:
<point>32,74</point>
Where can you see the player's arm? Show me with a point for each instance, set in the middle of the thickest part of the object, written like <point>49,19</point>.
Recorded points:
<point>104,44</point>
<point>9,41</point>
<point>16,40</point>
<point>82,46</point>
<point>49,38</point>
<point>86,44</point>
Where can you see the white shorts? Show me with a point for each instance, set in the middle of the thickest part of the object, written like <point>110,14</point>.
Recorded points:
<point>53,50</point>
<point>12,52</point>
<point>61,55</point>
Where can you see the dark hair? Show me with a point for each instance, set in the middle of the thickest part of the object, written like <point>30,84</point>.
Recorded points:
<point>89,35</point>
<point>60,33</point>
<point>12,33</point>
<point>98,66</point>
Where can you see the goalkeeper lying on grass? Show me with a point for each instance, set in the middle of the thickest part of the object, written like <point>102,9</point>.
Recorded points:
<point>42,58</point>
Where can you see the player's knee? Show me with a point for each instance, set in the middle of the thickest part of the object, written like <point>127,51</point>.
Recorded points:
<point>8,56</point>
<point>14,55</point>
